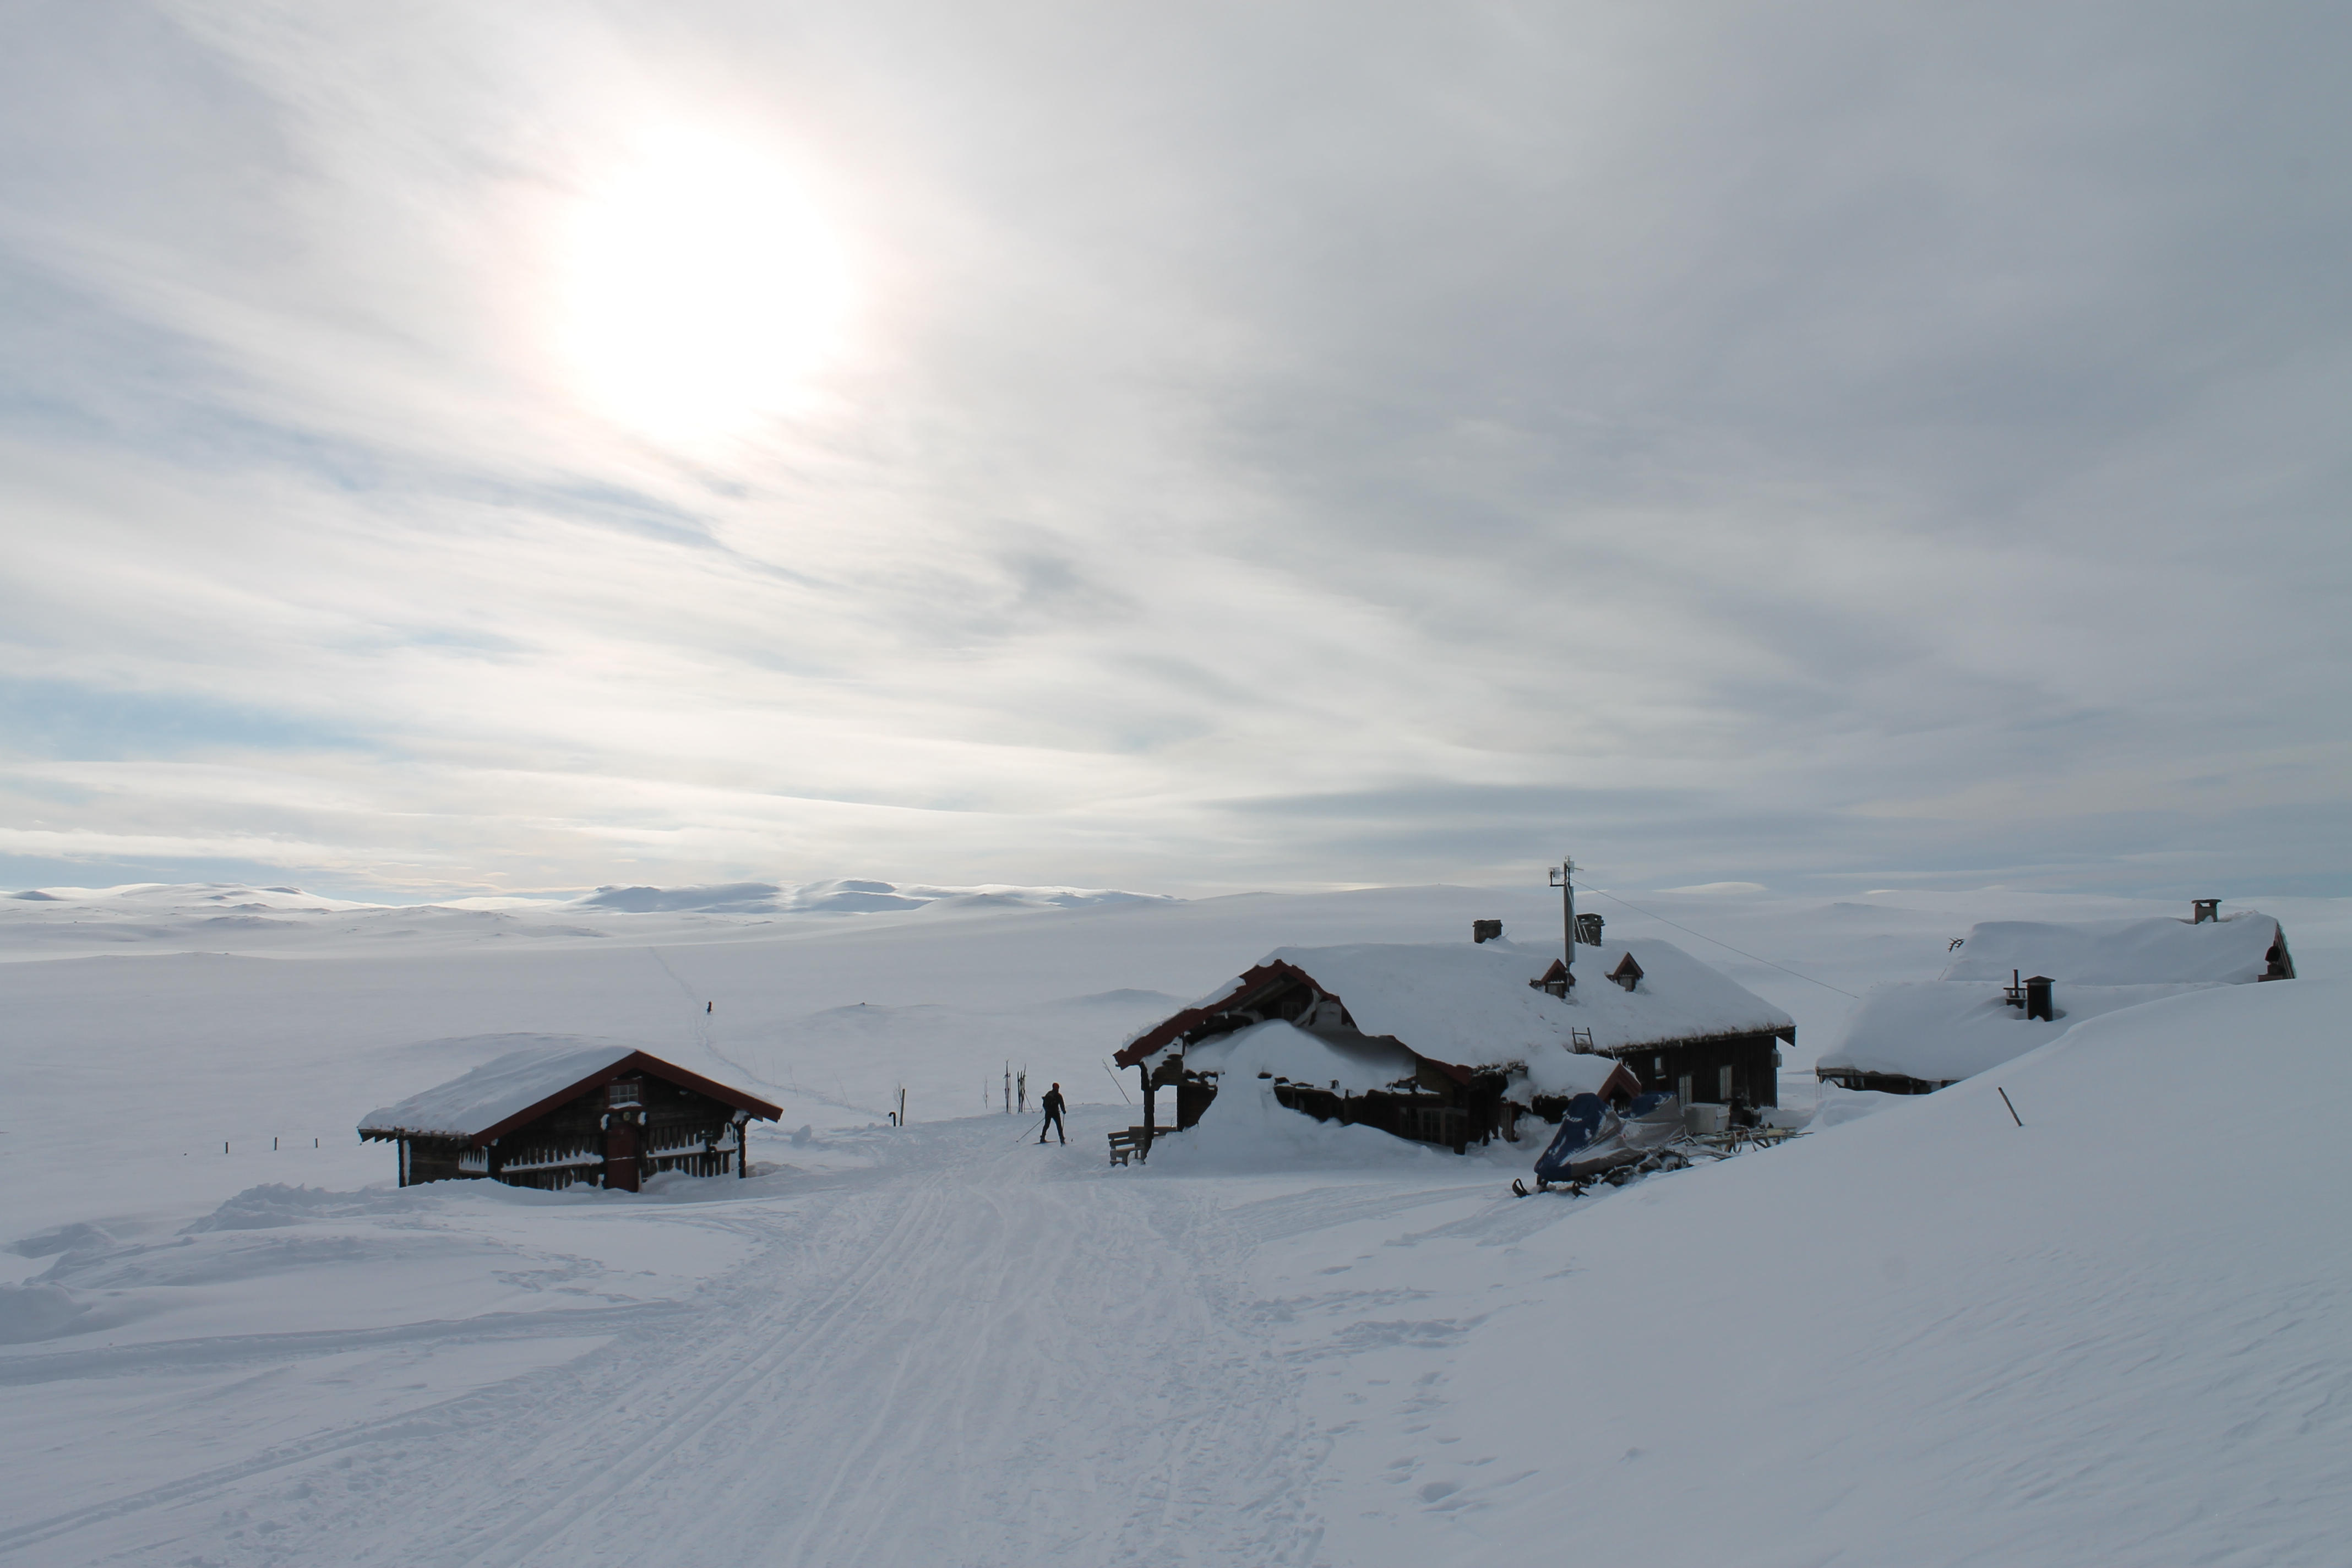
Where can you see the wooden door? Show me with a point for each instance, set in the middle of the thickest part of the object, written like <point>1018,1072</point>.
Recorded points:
<point>621,1155</point>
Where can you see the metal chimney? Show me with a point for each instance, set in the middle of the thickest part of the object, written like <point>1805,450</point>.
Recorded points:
<point>2203,910</point>
<point>2037,998</point>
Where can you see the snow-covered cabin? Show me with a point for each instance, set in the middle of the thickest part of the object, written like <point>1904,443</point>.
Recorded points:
<point>1918,1036</point>
<point>557,1116</point>
<point>1449,1043</point>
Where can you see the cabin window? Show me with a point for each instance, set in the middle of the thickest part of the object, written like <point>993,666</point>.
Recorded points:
<point>626,1092</point>
<point>1723,1082</point>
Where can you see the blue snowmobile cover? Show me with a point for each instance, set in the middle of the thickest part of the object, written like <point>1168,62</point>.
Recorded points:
<point>1580,1125</point>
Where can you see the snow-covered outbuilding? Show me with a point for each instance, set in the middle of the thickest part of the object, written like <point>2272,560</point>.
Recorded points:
<point>557,1116</point>
<point>1918,1036</point>
<point>1448,1043</point>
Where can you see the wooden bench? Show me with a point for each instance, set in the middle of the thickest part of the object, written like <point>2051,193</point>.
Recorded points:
<point>1126,1141</point>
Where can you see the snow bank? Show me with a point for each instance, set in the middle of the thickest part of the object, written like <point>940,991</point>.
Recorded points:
<point>1245,1128</point>
<point>1930,1338</point>
<point>36,1311</point>
<point>1838,1106</point>
<point>276,1205</point>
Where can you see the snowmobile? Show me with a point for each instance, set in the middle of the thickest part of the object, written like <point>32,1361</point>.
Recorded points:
<point>1596,1144</point>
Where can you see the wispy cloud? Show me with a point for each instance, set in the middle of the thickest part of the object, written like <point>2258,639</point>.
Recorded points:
<point>1302,443</point>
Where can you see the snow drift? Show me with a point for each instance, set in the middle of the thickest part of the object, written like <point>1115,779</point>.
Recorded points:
<point>1931,1337</point>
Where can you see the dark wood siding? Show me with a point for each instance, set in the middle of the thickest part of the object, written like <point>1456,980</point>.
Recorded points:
<point>1755,1077</point>
<point>679,1130</point>
<point>1882,1082</point>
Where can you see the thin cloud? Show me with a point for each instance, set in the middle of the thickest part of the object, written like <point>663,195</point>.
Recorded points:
<point>1269,444</point>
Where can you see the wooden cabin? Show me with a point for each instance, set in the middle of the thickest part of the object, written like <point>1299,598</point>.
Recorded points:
<point>1392,1086</point>
<point>1472,1039</point>
<point>554,1118</point>
<point>1996,998</point>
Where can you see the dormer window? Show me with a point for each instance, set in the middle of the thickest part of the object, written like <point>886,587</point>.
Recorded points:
<point>1554,981</point>
<point>1627,973</point>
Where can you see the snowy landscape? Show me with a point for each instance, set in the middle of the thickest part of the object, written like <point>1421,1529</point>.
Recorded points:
<point>959,784</point>
<point>1917,1333</point>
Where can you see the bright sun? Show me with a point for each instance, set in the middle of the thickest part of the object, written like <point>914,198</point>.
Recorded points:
<point>704,286</point>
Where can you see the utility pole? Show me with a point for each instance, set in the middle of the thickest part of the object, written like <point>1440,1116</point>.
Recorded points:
<point>1562,876</point>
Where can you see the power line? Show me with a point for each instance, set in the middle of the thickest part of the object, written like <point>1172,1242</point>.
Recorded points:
<point>1725,945</point>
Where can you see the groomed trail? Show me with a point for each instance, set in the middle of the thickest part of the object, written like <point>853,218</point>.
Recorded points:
<point>981,1352</point>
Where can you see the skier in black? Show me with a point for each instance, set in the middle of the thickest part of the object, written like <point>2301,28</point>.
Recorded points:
<point>1052,1105</point>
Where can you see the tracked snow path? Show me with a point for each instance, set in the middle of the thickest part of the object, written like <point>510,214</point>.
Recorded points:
<point>984,1353</point>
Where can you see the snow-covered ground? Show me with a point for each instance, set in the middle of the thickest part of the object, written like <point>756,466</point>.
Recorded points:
<point>2120,1333</point>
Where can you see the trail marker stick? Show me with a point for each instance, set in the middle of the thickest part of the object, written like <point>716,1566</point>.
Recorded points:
<point>2012,1110</point>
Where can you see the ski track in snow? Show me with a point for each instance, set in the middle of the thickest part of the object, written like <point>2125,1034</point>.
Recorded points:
<point>849,1394</point>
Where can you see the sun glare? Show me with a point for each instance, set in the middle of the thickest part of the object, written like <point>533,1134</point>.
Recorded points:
<point>704,287</point>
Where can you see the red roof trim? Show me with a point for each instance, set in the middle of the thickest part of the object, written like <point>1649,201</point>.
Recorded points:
<point>1167,1030</point>
<point>1254,981</point>
<point>634,1062</point>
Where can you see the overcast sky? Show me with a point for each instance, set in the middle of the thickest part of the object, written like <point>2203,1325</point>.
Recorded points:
<point>448,447</point>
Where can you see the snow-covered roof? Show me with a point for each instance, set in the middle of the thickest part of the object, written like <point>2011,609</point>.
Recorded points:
<point>480,1103</point>
<point>1564,1074</point>
<point>1940,1031</point>
<point>1360,1064</point>
<point>1355,1065</point>
<point>2234,951</point>
<point>1677,998</point>
<point>1470,1004</point>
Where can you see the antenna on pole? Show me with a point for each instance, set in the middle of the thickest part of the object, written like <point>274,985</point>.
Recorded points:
<point>1562,878</point>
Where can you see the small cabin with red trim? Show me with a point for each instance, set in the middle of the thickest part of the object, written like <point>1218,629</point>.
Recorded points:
<point>1433,1042</point>
<point>556,1117</point>
<point>1450,1044</point>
